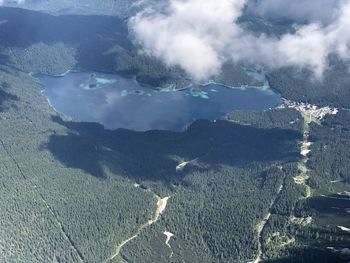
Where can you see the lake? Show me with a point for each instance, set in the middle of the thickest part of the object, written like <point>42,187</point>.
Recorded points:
<point>117,101</point>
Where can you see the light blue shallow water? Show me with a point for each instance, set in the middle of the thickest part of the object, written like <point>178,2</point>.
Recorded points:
<point>120,102</point>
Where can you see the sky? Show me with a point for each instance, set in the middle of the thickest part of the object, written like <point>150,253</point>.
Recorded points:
<point>201,35</point>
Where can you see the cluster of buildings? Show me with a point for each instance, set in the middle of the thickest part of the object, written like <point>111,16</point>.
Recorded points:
<point>310,110</point>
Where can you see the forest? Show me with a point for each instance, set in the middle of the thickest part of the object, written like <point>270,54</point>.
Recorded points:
<point>300,85</point>
<point>55,44</point>
<point>52,161</point>
<point>73,192</point>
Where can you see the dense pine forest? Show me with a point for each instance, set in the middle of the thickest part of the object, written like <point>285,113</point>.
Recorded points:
<point>77,192</point>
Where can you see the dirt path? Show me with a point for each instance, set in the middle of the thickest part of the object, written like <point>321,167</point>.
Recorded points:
<point>303,177</point>
<point>161,205</point>
<point>168,235</point>
<point>181,166</point>
<point>310,114</point>
<point>261,226</point>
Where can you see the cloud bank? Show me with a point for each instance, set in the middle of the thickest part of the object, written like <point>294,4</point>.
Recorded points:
<point>200,35</point>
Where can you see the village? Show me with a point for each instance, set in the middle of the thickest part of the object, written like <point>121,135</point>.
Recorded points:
<point>309,110</point>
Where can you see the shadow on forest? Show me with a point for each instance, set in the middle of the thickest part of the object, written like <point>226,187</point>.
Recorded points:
<point>92,36</point>
<point>311,255</point>
<point>23,28</point>
<point>147,155</point>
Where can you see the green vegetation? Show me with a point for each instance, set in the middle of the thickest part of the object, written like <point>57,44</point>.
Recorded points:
<point>330,151</point>
<point>300,85</point>
<point>312,225</point>
<point>276,118</point>
<point>56,60</point>
<point>50,211</point>
<point>97,43</point>
<point>73,191</point>
<point>81,179</point>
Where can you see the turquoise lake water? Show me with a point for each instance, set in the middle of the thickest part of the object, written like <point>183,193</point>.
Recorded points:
<point>120,102</point>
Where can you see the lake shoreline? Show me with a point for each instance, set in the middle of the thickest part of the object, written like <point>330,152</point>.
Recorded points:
<point>121,101</point>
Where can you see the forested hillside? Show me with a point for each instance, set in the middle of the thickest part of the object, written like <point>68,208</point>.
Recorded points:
<point>233,190</point>
<point>300,84</point>
<point>121,8</point>
<point>42,43</point>
<point>82,179</point>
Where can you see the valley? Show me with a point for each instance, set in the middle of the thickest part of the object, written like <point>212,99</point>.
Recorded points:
<point>109,155</point>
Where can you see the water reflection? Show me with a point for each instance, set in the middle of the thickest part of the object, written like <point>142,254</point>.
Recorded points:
<point>120,102</point>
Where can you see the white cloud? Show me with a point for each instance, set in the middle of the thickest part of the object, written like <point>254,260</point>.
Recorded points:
<point>311,44</point>
<point>191,34</point>
<point>200,35</point>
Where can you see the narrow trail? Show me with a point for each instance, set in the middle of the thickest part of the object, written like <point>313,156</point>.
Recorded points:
<point>261,226</point>
<point>63,231</point>
<point>303,177</point>
<point>49,208</point>
<point>169,235</point>
<point>13,159</point>
<point>161,205</point>
<point>310,114</point>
